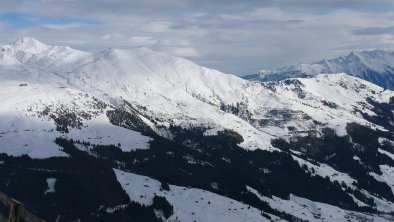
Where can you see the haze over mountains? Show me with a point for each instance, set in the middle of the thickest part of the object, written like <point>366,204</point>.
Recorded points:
<point>144,129</point>
<point>376,66</point>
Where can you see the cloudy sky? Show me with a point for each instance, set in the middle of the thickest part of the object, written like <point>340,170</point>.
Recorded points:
<point>234,36</point>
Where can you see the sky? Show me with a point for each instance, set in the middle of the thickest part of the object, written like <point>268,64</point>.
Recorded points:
<point>233,36</point>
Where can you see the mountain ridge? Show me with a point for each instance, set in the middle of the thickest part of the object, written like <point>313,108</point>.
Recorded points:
<point>376,66</point>
<point>99,120</point>
<point>176,89</point>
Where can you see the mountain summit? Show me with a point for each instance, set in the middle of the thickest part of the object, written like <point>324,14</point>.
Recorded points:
<point>376,66</point>
<point>28,50</point>
<point>29,44</point>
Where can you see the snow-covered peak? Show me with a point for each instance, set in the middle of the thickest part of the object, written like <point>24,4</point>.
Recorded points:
<point>140,68</point>
<point>377,60</point>
<point>376,66</point>
<point>29,51</point>
<point>29,45</point>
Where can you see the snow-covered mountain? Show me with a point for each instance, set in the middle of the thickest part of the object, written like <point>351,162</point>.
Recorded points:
<point>71,116</point>
<point>376,66</point>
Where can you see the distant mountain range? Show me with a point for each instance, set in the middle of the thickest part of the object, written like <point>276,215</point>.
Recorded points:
<point>376,66</point>
<point>139,135</point>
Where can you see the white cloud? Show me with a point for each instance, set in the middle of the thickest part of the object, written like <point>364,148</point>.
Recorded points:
<point>105,37</point>
<point>142,40</point>
<point>61,26</point>
<point>185,52</point>
<point>157,26</point>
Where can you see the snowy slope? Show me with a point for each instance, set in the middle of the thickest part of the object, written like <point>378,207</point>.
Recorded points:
<point>129,98</point>
<point>212,207</point>
<point>33,101</point>
<point>189,204</point>
<point>376,66</point>
<point>328,99</point>
<point>167,90</point>
<point>315,211</point>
